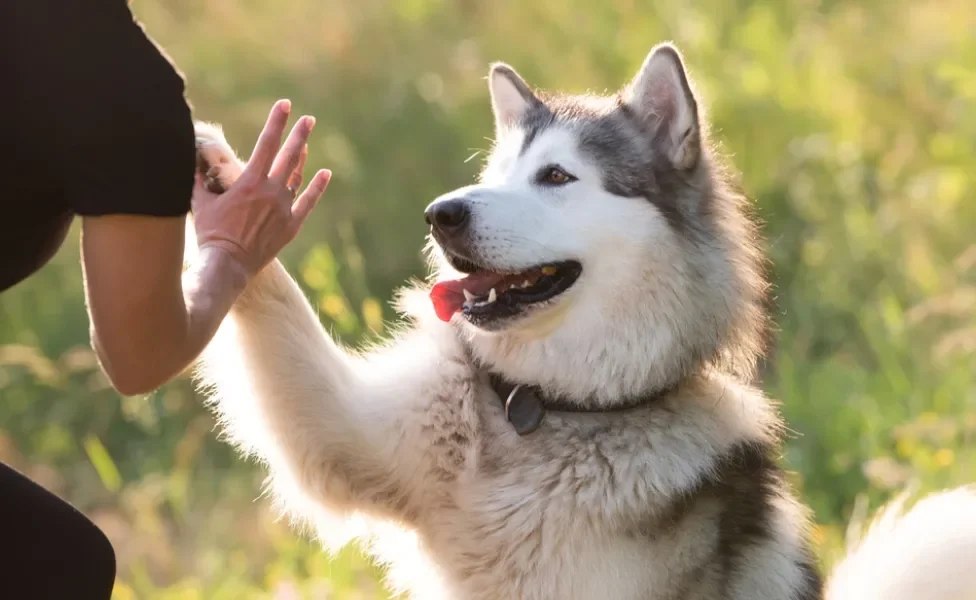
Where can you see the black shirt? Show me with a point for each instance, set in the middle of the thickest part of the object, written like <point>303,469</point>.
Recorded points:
<point>94,122</point>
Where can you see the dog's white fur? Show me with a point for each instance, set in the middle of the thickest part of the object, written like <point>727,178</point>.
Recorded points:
<point>926,553</point>
<point>408,442</point>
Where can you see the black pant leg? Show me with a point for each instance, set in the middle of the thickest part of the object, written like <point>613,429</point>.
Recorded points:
<point>49,550</point>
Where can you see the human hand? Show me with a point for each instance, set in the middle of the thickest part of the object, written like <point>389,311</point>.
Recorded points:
<point>251,211</point>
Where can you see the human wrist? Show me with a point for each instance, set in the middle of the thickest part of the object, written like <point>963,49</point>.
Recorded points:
<point>221,267</point>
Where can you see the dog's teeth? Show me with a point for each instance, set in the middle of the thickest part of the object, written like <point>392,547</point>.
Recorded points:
<point>549,270</point>
<point>468,296</point>
<point>492,296</point>
<point>526,283</point>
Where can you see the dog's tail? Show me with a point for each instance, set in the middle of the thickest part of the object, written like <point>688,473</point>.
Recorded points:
<point>928,553</point>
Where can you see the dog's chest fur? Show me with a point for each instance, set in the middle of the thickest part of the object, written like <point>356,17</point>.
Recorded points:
<point>678,499</point>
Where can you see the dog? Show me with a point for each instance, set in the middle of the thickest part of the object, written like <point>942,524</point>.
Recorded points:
<point>568,410</point>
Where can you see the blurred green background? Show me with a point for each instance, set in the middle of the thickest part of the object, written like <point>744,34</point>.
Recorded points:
<point>853,125</point>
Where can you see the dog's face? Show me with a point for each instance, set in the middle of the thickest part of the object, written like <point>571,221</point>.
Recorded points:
<point>594,224</point>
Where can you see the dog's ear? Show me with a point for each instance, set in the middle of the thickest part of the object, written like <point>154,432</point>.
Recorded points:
<point>510,96</point>
<point>661,95</point>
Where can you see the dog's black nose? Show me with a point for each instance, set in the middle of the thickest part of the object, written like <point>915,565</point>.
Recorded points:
<point>448,216</point>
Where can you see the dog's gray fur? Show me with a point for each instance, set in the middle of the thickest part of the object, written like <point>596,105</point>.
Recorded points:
<point>680,499</point>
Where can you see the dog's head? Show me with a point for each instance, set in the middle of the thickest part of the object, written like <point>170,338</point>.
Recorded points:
<point>602,254</point>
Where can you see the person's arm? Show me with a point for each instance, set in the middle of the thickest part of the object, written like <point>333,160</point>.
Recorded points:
<point>149,320</point>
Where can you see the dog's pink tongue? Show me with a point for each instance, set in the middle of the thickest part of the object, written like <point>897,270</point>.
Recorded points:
<point>448,296</point>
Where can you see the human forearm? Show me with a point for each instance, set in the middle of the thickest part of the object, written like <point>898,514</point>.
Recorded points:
<point>159,347</point>
<point>210,287</point>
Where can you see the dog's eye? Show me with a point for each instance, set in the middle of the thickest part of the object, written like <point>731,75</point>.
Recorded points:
<point>554,176</point>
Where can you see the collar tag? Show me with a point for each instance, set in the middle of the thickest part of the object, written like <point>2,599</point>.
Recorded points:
<point>524,409</point>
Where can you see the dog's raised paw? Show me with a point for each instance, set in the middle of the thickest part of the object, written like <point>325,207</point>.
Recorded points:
<point>216,160</point>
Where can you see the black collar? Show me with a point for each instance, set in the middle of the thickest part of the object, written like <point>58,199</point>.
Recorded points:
<point>526,405</point>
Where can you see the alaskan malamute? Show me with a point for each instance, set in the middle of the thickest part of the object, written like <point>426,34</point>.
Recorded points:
<point>568,413</point>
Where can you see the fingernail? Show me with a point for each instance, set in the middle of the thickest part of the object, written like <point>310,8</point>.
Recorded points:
<point>286,106</point>
<point>309,123</point>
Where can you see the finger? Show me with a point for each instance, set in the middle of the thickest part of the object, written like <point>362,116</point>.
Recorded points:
<point>310,197</point>
<point>295,181</point>
<point>269,141</point>
<point>287,160</point>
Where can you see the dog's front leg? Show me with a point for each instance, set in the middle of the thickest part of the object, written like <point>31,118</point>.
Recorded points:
<point>330,431</point>
<point>288,394</point>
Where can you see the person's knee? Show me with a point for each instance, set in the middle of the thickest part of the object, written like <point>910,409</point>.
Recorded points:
<point>103,563</point>
<point>87,559</point>
<point>97,570</point>
<point>51,549</point>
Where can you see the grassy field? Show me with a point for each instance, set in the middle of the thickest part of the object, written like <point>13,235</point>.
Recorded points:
<point>852,125</point>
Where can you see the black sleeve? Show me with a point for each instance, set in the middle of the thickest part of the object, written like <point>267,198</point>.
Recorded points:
<point>129,143</point>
